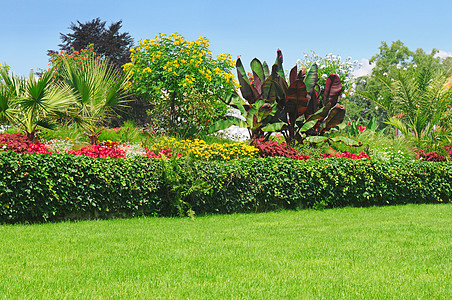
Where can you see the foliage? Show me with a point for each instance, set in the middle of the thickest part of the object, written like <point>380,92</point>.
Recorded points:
<point>58,60</point>
<point>429,156</point>
<point>293,108</point>
<point>331,64</point>
<point>21,144</point>
<point>99,90</point>
<point>418,102</point>
<point>33,102</point>
<point>183,81</point>
<point>272,149</point>
<point>38,188</point>
<point>109,43</point>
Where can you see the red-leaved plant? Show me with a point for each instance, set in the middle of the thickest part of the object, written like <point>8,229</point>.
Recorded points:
<point>272,148</point>
<point>429,156</point>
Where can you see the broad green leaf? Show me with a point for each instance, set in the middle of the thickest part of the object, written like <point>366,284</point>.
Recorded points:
<point>274,127</point>
<point>347,141</point>
<point>316,139</point>
<point>308,125</point>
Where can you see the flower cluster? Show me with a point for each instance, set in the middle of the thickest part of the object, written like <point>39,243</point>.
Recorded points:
<point>189,62</point>
<point>57,60</point>
<point>215,151</point>
<point>99,151</point>
<point>346,154</point>
<point>168,153</point>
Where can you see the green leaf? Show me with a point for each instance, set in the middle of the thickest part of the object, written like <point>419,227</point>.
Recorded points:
<point>308,125</point>
<point>274,127</point>
<point>347,141</point>
<point>316,139</point>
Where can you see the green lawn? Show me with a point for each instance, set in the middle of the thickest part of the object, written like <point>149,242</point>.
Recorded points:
<point>402,252</point>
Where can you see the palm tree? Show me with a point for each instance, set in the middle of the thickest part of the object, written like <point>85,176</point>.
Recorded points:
<point>99,89</point>
<point>418,100</point>
<point>33,102</point>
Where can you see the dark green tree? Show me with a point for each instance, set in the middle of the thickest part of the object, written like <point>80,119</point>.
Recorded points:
<point>108,42</point>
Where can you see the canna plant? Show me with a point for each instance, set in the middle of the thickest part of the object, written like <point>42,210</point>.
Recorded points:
<point>295,108</point>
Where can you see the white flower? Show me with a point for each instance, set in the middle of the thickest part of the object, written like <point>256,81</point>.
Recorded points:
<point>324,76</point>
<point>399,66</point>
<point>305,56</point>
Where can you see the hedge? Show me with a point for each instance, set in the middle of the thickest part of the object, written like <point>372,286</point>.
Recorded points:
<point>40,187</point>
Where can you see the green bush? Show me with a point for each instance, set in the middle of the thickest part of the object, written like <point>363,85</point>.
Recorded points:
<point>37,188</point>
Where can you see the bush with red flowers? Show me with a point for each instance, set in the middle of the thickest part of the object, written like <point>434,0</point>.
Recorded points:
<point>99,151</point>
<point>346,154</point>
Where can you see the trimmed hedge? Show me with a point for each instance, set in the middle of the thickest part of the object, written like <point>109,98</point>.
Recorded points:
<point>37,188</point>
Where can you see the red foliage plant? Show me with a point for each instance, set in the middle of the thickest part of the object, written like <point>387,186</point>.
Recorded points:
<point>429,156</point>
<point>449,150</point>
<point>272,148</point>
<point>18,142</point>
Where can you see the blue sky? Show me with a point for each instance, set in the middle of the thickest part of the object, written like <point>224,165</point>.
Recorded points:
<point>247,28</point>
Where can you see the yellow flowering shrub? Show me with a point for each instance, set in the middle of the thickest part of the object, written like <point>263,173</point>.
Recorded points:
<point>169,70</point>
<point>199,149</point>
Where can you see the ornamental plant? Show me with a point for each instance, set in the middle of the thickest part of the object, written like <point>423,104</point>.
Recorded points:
<point>295,107</point>
<point>59,59</point>
<point>183,81</point>
<point>272,149</point>
<point>199,149</point>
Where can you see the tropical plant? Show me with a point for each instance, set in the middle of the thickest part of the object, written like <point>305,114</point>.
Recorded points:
<point>99,90</point>
<point>418,101</point>
<point>295,108</point>
<point>33,102</point>
<point>182,80</point>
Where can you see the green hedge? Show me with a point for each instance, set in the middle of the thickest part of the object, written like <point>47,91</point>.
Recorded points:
<point>37,188</point>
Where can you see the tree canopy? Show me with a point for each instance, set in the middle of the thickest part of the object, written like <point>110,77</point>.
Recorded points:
<point>108,41</point>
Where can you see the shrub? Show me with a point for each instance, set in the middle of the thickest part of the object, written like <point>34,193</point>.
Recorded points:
<point>36,188</point>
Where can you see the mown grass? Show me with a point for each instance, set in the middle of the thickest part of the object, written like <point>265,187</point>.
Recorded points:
<point>402,252</point>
